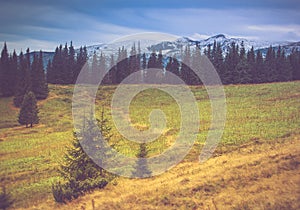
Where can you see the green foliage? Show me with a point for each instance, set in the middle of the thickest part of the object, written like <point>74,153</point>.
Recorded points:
<point>38,78</point>
<point>29,111</point>
<point>5,199</point>
<point>79,172</point>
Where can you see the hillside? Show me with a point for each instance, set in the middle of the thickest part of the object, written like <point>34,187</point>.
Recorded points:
<point>256,165</point>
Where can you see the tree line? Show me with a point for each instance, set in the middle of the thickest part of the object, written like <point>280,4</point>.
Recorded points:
<point>21,74</point>
<point>18,74</point>
<point>236,66</point>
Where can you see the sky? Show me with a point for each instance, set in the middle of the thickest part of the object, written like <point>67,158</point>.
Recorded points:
<point>44,24</point>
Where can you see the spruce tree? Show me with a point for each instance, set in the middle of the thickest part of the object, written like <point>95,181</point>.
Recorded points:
<point>6,77</point>
<point>102,66</point>
<point>38,79</point>
<point>23,79</point>
<point>111,75</point>
<point>79,172</point>
<point>141,170</point>
<point>251,62</point>
<point>14,71</point>
<point>294,59</point>
<point>71,64</point>
<point>270,72</point>
<point>259,76</point>
<point>29,111</point>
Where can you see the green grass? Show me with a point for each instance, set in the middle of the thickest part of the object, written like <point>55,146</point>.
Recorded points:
<point>30,157</point>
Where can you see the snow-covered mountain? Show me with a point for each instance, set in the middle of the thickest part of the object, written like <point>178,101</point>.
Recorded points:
<point>174,47</point>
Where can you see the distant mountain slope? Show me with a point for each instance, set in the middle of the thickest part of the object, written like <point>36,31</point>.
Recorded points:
<point>174,47</point>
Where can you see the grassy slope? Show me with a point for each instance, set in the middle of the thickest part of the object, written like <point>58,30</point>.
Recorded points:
<point>267,114</point>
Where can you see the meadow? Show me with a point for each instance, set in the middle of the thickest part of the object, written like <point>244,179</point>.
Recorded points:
<point>265,114</point>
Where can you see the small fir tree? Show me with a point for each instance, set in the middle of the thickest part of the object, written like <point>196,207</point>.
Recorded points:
<point>79,172</point>
<point>142,169</point>
<point>29,111</point>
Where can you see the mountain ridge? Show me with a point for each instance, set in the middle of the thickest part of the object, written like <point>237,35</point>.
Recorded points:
<point>173,48</point>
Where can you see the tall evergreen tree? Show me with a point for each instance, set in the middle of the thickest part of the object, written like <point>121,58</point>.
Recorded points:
<point>231,61</point>
<point>6,76</point>
<point>259,76</point>
<point>251,62</point>
<point>122,65</point>
<point>29,111</point>
<point>144,66</point>
<point>271,74</point>
<point>71,64</point>
<point>111,76</point>
<point>21,82</point>
<point>294,59</point>
<point>218,61</point>
<point>242,69</point>
<point>38,79</point>
<point>14,71</point>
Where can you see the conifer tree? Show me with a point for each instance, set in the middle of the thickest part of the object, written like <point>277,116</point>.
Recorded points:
<point>251,62</point>
<point>144,66</point>
<point>38,79</point>
<point>29,111</point>
<point>102,66</point>
<point>259,76</point>
<point>112,71</point>
<point>242,69</point>
<point>294,59</point>
<point>79,172</point>
<point>14,71</point>
<point>141,170</point>
<point>270,71</point>
<point>6,76</point>
<point>71,64</point>
<point>23,79</point>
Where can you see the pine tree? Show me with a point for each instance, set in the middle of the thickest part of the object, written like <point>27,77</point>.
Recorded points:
<point>23,79</point>
<point>294,59</point>
<point>218,61</point>
<point>122,65</point>
<point>111,75</point>
<point>102,67</point>
<point>242,69</point>
<point>38,79</point>
<point>196,66</point>
<point>71,64</point>
<point>79,172</point>
<point>144,66</point>
<point>270,73</point>
<point>94,72</point>
<point>259,77</point>
<point>141,169</point>
<point>231,61</point>
<point>29,111</point>
<point>251,62</point>
<point>7,87</point>
<point>14,71</point>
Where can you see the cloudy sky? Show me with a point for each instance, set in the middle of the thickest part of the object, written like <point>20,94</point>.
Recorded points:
<point>43,24</point>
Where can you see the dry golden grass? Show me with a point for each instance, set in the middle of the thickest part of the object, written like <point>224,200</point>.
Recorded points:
<point>255,175</point>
